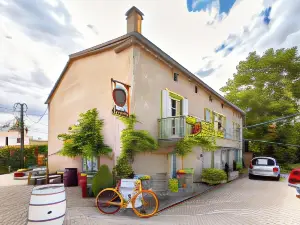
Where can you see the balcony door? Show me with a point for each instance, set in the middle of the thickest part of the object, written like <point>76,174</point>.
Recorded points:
<point>175,120</point>
<point>174,107</point>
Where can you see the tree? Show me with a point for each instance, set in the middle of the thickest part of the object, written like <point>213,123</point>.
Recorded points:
<point>267,87</point>
<point>85,138</point>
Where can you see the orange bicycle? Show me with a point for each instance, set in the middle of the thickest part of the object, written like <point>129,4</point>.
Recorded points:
<point>128,194</point>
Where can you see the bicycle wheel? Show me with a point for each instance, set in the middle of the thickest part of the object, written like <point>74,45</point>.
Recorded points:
<point>109,201</point>
<point>145,204</point>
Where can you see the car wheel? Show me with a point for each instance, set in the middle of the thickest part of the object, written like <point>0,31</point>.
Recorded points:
<point>278,178</point>
<point>250,176</point>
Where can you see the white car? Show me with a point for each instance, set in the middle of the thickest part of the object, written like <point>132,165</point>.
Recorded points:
<point>264,167</point>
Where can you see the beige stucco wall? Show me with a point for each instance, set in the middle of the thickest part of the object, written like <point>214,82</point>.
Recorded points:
<point>151,76</point>
<point>87,85</point>
<point>150,164</point>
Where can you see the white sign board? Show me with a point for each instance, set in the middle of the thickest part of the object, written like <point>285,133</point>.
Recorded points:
<point>128,191</point>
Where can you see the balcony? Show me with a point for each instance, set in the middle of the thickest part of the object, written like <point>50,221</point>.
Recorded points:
<point>175,128</point>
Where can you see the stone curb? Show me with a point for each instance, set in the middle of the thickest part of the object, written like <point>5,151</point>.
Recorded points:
<point>197,195</point>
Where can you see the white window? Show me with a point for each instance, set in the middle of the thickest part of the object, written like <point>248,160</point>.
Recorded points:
<point>175,107</point>
<point>234,130</point>
<point>219,123</point>
<point>90,164</point>
<point>175,112</point>
<point>207,115</point>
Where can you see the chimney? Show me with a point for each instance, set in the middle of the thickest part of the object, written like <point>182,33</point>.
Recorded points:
<point>134,19</point>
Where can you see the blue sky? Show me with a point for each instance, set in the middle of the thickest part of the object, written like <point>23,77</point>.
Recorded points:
<point>208,37</point>
<point>204,5</point>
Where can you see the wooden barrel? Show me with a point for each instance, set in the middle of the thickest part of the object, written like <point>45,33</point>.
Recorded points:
<point>70,177</point>
<point>47,205</point>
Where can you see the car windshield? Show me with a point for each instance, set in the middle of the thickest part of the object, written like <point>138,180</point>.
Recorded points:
<point>263,162</point>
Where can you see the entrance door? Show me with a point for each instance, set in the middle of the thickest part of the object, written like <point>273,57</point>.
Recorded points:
<point>224,158</point>
<point>172,165</point>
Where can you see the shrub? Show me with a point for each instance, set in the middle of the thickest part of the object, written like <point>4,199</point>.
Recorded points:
<point>213,176</point>
<point>239,166</point>
<point>103,179</point>
<point>123,168</point>
<point>173,185</point>
<point>3,170</point>
<point>11,155</point>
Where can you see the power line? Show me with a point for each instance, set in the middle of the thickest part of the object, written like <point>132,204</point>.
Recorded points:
<point>271,121</point>
<point>34,121</point>
<point>278,143</point>
<point>37,131</point>
<point>39,118</point>
<point>33,114</point>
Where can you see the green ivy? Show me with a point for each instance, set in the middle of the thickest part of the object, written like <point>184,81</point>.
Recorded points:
<point>191,120</point>
<point>133,141</point>
<point>185,145</point>
<point>43,149</point>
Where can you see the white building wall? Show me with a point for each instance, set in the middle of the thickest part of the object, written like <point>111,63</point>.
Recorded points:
<point>12,138</point>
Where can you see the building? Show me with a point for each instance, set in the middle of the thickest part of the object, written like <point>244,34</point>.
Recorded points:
<point>12,138</point>
<point>37,142</point>
<point>160,91</point>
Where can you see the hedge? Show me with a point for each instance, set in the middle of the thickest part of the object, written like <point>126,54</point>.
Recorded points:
<point>213,176</point>
<point>103,179</point>
<point>11,155</point>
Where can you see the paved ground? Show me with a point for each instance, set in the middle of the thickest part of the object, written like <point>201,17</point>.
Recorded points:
<point>8,180</point>
<point>241,202</point>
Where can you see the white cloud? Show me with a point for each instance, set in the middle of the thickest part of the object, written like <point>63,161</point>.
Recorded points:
<point>184,36</point>
<point>283,31</point>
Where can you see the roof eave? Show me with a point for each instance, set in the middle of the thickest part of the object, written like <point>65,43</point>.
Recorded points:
<point>169,59</point>
<point>84,53</point>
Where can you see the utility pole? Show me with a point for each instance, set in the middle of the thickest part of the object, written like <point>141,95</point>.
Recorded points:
<point>22,129</point>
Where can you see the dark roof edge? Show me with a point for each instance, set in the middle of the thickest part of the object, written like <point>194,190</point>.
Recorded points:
<point>164,55</point>
<point>169,59</point>
<point>81,53</point>
<point>57,82</point>
<point>76,54</point>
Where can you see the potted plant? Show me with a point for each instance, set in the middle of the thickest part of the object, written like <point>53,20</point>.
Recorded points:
<point>145,179</point>
<point>173,185</point>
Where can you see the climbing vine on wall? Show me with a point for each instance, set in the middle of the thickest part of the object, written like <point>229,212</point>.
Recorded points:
<point>185,145</point>
<point>133,141</point>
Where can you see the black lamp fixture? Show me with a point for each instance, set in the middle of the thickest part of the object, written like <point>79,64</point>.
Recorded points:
<point>210,98</point>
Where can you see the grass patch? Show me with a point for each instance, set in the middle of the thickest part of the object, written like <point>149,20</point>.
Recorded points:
<point>244,171</point>
<point>282,179</point>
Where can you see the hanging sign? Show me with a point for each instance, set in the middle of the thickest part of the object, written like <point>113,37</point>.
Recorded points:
<point>120,94</point>
<point>196,128</point>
